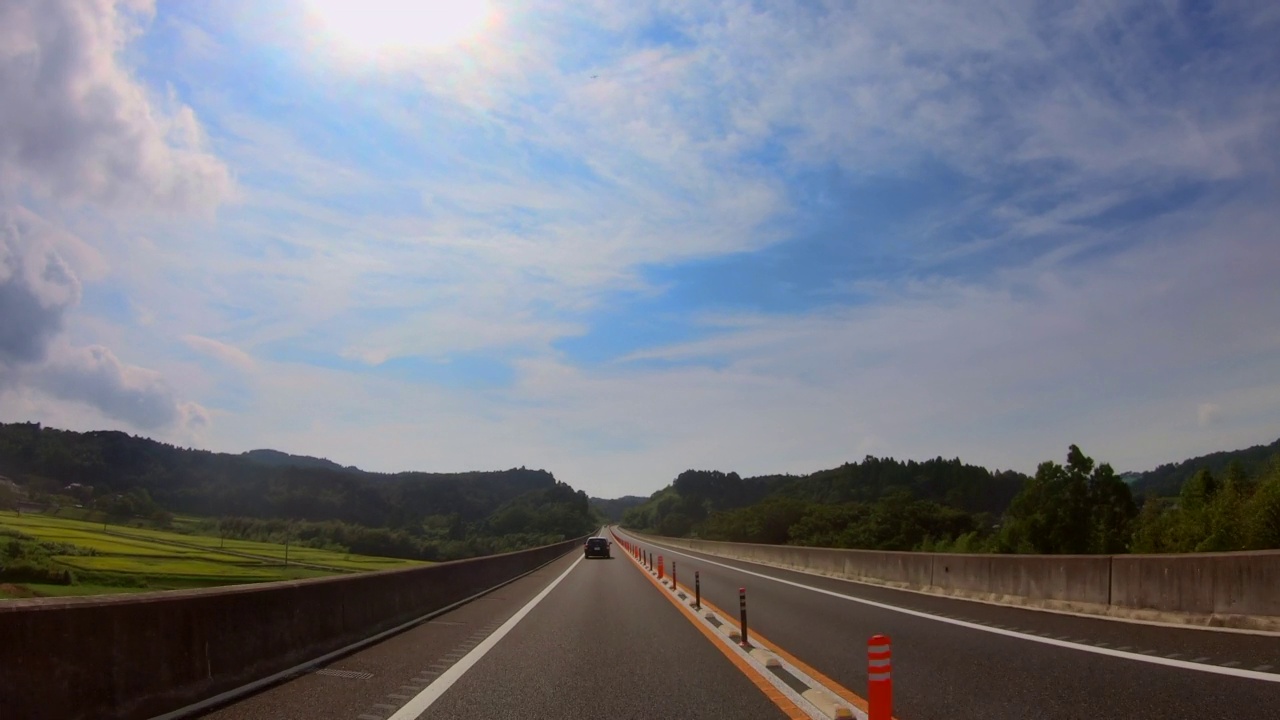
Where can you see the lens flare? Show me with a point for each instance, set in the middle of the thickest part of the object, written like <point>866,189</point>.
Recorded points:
<point>375,28</point>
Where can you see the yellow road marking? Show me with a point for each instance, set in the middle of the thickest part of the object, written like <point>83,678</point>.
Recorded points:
<point>784,703</point>
<point>845,693</point>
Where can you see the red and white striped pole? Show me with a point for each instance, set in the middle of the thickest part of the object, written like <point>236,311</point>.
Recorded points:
<point>879,682</point>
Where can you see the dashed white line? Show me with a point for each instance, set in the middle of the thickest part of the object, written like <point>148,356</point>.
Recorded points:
<point>1120,652</point>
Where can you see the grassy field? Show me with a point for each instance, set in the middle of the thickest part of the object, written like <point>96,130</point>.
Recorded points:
<point>130,559</point>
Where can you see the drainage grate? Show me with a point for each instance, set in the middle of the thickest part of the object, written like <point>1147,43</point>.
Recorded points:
<point>348,674</point>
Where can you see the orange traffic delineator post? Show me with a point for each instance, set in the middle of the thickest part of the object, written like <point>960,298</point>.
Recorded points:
<point>661,572</point>
<point>742,617</point>
<point>879,682</point>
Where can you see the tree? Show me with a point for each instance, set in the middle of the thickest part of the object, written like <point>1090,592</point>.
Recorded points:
<point>1112,512</point>
<point>1077,508</point>
<point>1261,514</point>
<point>9,498</point>
<point>1151,527</point>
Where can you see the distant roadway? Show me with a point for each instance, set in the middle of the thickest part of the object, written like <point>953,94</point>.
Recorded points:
<point>600,639</point>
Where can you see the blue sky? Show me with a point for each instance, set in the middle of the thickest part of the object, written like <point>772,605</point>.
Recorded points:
<point>621,240</point>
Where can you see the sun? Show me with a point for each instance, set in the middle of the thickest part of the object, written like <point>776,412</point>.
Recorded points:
<point>374,28</point>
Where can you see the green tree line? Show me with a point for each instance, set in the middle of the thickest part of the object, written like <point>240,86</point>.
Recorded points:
<point>1080,507</point>
<point>398,515</point>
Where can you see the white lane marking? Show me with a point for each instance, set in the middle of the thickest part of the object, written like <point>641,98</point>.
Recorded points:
<point>419,704</point>
<point>1033,608</point>
<point>1182,664</point>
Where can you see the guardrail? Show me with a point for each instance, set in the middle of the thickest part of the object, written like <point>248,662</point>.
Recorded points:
<point>139,656</point>
<point>1239,589</point>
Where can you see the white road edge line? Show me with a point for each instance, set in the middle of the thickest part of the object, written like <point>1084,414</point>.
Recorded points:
<point>1182,664</point>
<point>419,704</point>
<point>1030,608</point>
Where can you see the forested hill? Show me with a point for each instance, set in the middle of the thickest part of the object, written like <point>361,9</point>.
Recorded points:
<point>943,505</point>
<point>612,509</point>
<point>699,498</point>
<point>1167,480</point>
<point>99,467</point>
<point>277,458</point>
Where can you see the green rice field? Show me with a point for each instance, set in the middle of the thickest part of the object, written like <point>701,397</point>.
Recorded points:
<point>126,559</point>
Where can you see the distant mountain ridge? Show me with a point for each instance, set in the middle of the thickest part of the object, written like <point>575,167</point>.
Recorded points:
<point>1166,480</point>
<point>270,484</point>
<point>276,458</point>
<point>612,509</point>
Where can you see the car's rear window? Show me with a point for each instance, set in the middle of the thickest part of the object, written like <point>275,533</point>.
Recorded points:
<point>597,542</point>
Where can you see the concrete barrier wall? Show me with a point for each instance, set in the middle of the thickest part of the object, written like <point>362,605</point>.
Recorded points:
<point>1239,589</point>
<point>138,656</point>
<point>1061,578</point>
<point>1223,584</point>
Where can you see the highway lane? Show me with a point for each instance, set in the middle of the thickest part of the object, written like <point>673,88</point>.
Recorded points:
<point>1213,646</point>
<point>602,643</point>
<point>945,671</point>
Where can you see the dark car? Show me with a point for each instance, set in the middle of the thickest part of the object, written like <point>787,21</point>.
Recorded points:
<point>597,547</point>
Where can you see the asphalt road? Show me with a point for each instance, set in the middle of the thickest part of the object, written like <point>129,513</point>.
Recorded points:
<point>942,670</point>
<point>604,643</point>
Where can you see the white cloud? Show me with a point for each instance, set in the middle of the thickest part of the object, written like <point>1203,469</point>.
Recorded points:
<point>94,375</point>
<point>544,190</point>
<point>79,132</point>
<point>220,351</point>
<point>1208,414</point>
<point>37,287</point>
<point>1107,353</point>
<point>75,126</point>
